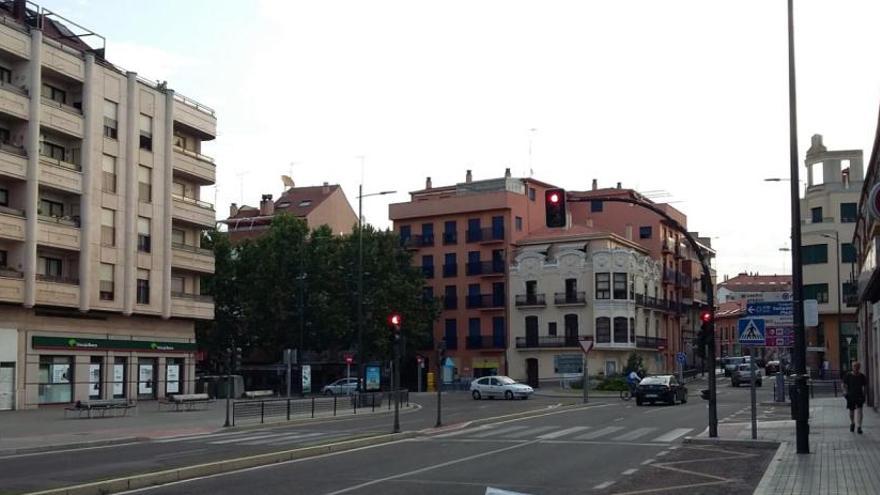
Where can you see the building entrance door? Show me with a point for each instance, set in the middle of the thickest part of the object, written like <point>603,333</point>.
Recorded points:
<point>7,386</point>
<point>532,372</point>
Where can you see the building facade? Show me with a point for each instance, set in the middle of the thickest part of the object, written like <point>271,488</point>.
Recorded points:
<point>828,215</point>
<point>568,285</point>
<point>100,222</point>
<point>462,236</point>
<point>754,287</point>
<point>316,205</point>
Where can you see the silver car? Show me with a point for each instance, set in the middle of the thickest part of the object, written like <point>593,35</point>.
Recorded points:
<point>499,386</point>
<point>343,386</point>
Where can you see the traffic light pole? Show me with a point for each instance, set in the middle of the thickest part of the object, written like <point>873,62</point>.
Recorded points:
<point>441,353</point>
<point>706,278</point>
<point>396,385</point>
<point>228,383</point>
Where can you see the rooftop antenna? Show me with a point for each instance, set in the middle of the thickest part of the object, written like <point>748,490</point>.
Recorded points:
<point>531,136</point>
<point>240,176</point>
<point>288,182</point>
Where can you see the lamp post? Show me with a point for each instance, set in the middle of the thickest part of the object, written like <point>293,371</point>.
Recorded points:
<point>360,289</point>
<point>836,238</point>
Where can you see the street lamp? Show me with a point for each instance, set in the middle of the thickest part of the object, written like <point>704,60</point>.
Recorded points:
<point>360,291</point>
<point>836,238</point>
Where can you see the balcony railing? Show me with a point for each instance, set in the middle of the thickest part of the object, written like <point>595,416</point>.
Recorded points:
<point>11,211</point>
<point>71,221</point>
<point>21,90</point>
<point>417,241</point>
<point>450,270</point>
<point>10,273</point>
<point>61,106</point>
<point>192,249</point>
<point>488,234</point>
<point>76,167</point>
<point>193,154</point>
<point>650,342</point>
<point>193,201</point>
<point>550,341</point>
<point>495,267</point>
<point>485,301</point>
<point>450,238</point>
<point>561,298</point>
<point>194,297</point>
<point>522,300</point>
<point>15,150</point>
<point>485,342</point>
<point>428,271</point>
<point>58,279</point>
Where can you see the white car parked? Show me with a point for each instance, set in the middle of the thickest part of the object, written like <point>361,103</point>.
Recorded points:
<point>499,386</point>
<point>343,386</point>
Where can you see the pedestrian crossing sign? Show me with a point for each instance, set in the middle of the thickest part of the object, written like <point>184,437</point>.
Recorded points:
<point>751,331</point>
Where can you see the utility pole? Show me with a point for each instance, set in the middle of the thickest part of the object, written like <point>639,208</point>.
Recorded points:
<point>800,345</point>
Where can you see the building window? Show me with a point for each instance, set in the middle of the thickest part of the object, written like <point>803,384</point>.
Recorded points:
<point>5,75</point>
<point>427,234</point>
<point>108,180</point>
<point>620,331</point>
<point>108,227</point>
<point>106,288</point>
<point>51,208</point>
<point>450,300</point>
<point>52,267</point>
<point>405,234</point>
<point>532,193</point>
<point>146,137</point>
<point>143,234</point>
<point>57,95</point>
<point>451,333</point>
<point>620,286</point>
<point>4,258</point>
<point>819,292</point>
<point>449,232</point>
<point>816,214</point>
<point>848,290</point>
<point>645,232</point>
<point>143,286</point>
<point>52,150</point>
<point>595,206</point>
<point>178,237</point>
<point>56,379</point>
<point>178,285</point>
<point>518,222</point>
<point>814,254</point>
<point>848,212</point>
<point>145,184</point>
<point>111,112</point>
<point>632,330</point>
<point>4,197</point>
<point>603,330</point>
<point>603,286</point>
<point>847,253</point>
<point>428,266</point>
<point>551,328</point>
<point>450,265</point>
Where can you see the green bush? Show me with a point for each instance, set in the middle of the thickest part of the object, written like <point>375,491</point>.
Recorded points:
<point>614,383</point>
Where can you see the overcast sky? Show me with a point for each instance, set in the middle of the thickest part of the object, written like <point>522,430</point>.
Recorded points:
<point>684,96</point>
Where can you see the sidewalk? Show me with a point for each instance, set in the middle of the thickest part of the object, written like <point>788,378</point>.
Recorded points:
<point>839,462</point>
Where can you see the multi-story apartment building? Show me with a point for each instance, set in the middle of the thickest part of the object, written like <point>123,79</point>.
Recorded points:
<point>829,210</point>
<point>463,236</point>
<point>680,292</point>
<point>316,205</point>
<point>577,283</point>
<point>100,221</point>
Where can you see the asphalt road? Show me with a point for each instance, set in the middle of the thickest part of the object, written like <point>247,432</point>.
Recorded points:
<point>593,449</point>
<point>28,472</point>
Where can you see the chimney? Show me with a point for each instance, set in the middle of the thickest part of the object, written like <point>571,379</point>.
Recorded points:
<point>619,185</point>
<point>468,177</point>
<point>595,184</point>
<point>233,210</point>
<point>506,173</point>
<point>267,206</point>
<point>428,183</point>
<point>326,188</point>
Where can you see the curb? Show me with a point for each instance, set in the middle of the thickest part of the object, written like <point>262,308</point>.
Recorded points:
<point>763,485</point>
<point>212,468</point>
<point>71,446</point>
<point>733,442</point>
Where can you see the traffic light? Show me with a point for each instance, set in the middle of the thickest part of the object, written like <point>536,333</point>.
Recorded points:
<point>703,340</point>
<point>554,203</point>
<point>395,320</point>
<point>237,360</point>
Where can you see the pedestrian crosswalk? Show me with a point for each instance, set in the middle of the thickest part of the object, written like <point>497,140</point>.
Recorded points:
<point>271,438</point>
<point>548,433</point>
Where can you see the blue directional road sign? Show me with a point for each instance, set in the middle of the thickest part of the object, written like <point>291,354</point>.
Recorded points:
<point>751,331</point>
<point>681,357</point>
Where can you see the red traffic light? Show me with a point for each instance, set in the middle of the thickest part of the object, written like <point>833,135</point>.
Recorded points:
<point>706,316</point>
<point>553,197</point>
<point>554,204</point>
<point>395,319</point>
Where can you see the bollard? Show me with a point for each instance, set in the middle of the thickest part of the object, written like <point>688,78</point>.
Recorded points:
<point>288,409</point>
<point>262,411</point>
<point>313,406</point>
<point>334,405</point>
<point>373,401</point>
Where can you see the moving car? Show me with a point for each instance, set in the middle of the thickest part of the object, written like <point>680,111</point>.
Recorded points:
<point>661,388</point>
<point>731,363</point>
<point>499,386</point>
<point>772,367</point>
<point>743,374</point>
<point>343,386</point>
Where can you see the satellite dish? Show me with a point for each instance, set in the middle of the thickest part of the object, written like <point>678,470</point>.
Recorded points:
<point>288,182</point>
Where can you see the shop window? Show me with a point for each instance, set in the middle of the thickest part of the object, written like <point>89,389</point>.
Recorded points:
<point>55,379</point>
<point>120,377</point>
<point>146,378</point>
<point>173,376</point>
<point>95,377</point>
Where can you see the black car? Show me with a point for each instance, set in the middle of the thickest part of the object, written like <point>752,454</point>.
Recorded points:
<point>661,388</point>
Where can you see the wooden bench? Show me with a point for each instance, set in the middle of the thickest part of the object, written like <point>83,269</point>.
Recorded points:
<point>100,408</point>
<point>186,402</point>
<point>253,394</point>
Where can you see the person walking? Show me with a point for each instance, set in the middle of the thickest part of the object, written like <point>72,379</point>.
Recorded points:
<point>855,387</point>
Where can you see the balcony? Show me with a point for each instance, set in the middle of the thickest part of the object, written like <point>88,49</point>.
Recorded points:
<point>485,342</point>
<point>62,118</point>
<point>14,100</point>
<point>61,59</point>
<point>13,161</point>
<point>187,305</point>
<point>550,341</point>
<point>15,40</point>
<point>450,238</point>
<point>666,246</point>
<point>417,241</point>
<point>192,258</point>
<point>195,165</point>
<point>11,224</point>
<point>60,232</point>
<point>486,268</point>
<point>57,291</point>
<point>60,174</point>
<point>530,300</point>
<point>428,271</point>
<point>193,211</point>
<point>196,116</point>
<point>485,301</point>
<point>570,298</point>
<point>487,235</point>
<point>450,270</point>
<point>11,286</point>
<point>654,343</point>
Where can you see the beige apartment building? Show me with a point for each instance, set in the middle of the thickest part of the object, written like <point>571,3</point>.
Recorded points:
<point>100,221</point>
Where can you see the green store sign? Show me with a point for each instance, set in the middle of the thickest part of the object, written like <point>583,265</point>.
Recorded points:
<point>78,344</point>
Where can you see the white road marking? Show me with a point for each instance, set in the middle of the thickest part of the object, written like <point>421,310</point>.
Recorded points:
<point>561,433</point>
<point>598,433</point>
<point>532,431</point>
<point>499,431</point>
<point>632,435</point>
<point>242,439</point>
<point>283,439</point>
<point>619,419</point>
<point>629,471</point>
<point>647,461</point>
<point>673,435</point>
<point>602,486</point>
<point>203,436</point>
<point>661,454</point>
<point>462,432</point>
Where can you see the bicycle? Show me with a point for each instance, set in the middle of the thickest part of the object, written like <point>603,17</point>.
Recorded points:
<point>628,393</point>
